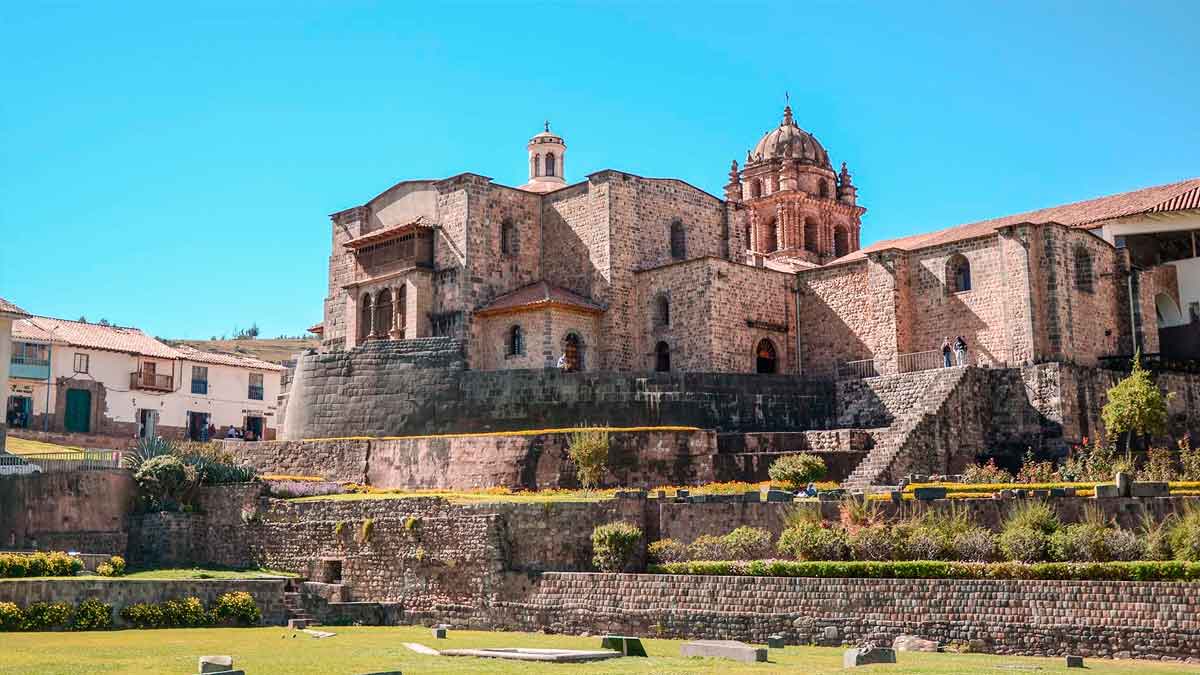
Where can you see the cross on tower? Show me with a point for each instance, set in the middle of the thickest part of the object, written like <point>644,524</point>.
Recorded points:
<point>547,126</point>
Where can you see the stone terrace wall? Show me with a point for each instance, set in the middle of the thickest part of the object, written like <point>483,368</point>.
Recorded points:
<point>1048,618</point>
<point>268,593</point>
<point>78,510</point>
<point>536,461</point>
<point>417,387</point>
<point>748,457</point>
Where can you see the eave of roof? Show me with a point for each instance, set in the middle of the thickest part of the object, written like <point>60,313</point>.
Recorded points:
<point>536,296</point>
<point>388,233</point>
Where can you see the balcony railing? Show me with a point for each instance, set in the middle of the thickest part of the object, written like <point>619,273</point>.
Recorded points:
<point>255,393</point>
<point>151,381</point>
<point>930,360</point>
<point>30,369</point>
<point>857,370</point>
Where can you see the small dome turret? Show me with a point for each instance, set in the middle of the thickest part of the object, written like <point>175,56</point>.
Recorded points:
<point>789,141</point>
<point>546,153</point>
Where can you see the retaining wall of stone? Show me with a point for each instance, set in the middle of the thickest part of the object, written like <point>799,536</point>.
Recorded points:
<point>268,593</point>
<point>78,510</point>
<point>1048,618</point>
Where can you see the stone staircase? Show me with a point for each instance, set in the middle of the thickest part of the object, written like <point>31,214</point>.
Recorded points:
<point>912,401</point>
<point>297,617</point>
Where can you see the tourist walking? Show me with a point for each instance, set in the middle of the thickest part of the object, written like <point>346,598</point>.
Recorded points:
<point>946,363</point>
<point>960,350</point>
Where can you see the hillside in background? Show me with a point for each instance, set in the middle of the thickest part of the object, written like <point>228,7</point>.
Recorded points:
<point>275,351</point>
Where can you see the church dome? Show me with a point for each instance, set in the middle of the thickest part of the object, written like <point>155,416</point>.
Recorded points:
<point>790,141</point>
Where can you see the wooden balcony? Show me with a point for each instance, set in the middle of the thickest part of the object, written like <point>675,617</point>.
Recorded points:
<point>151,381</point>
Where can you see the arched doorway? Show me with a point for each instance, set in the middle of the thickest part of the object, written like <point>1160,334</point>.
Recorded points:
<point>662,357</point>
<point>383,314</point>
<point>366,311</point>
<point>572,353</point>
<point>766,358</point>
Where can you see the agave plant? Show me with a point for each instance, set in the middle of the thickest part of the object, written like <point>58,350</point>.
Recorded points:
<point>147,448</point>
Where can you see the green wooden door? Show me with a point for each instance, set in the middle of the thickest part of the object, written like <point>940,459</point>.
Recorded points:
<point>79,410</point>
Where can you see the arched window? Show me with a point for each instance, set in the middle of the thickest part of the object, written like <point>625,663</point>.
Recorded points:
<point>537,165</point>
<point>823,188</point>
<point>756,188</point>
<point>811,235</point>
<point>509,241</point>
<point>958,274</point>
<point>383,314</point>
<point>516,341</point>
<point>678,241</point>
<point>1083,270</point>
<point>1166,311</point>
<point>572,353</point>
<point>662,357</point>
<point>533,167</point>
<point>841,241</point>
<point>402,311</point>
<point>770,242</point>
<point>365,314</point>
<point>550,164</point>
<point>662,310</point>
<point>765,357</point>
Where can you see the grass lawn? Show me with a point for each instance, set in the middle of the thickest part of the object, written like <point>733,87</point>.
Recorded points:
<point>274,651</point>
<point>467,497</point>
<point>24,446</point>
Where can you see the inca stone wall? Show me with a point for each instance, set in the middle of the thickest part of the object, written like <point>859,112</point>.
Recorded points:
<point>79,510</point>
<point>415,387</point>
<point>1047,618</point>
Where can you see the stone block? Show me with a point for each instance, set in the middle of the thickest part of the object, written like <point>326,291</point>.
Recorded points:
<point>1107,491</point>
<point>724,649</point>
<point>216,664</point>
<point>775,641</point>
<point>1123,481</point>
<point>1058,492</point>
<point>1149,489</point>
<point>439,633</point>
<point>751,497</point>
<point>226,672</point>
<point>860,656</point>
<point>831,634</point>
<point>1074,661</point>
<point>779,496</point>
<point>927,494</point>
<point>629,646</point>
<point>911,643</point>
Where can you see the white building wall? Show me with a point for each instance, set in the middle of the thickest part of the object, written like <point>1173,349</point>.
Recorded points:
<point>227,402</point>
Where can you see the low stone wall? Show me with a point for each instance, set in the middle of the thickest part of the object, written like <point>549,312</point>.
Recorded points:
<point>268,593</point>
<point>1047,618</point>
<point>530,462</point>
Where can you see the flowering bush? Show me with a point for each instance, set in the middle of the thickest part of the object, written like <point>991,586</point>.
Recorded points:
<point>11,616</point>
<point>796,471</point>
<point>986,473</point>
<point>238,607</point>
<point>667,551</point>
<point>1159,466</point>
<point>46,616</point>
<point>92,614</point>
<point>56,564</point>
<point>115,567</point>
<point>1033,471</point>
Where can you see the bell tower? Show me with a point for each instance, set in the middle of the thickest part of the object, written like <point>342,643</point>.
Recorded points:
<point>547,153</point>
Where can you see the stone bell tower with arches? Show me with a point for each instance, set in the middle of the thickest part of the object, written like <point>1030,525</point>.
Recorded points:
<point>796,206</point>
<point>547,152</point>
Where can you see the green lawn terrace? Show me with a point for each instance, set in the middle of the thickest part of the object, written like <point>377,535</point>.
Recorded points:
<point>278,651</point>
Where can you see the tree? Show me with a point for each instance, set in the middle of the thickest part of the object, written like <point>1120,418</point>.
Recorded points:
<point>588,449</point>
<point>1136,405</point>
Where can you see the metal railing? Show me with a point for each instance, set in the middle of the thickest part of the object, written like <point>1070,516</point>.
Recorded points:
<point>255,392</point>
<point>19,359</point>
<point>857,370</point>
<point>145,380</point>
<point>930,360</point>
<point>58,462</point>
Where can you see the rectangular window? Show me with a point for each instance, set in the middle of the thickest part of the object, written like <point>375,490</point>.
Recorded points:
<point>31,354</point>
<point>81,363</point>
<point>199,379</point>
<point>256,387</point>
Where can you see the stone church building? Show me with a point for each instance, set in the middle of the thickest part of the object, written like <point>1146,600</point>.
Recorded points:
<point>621,272</point>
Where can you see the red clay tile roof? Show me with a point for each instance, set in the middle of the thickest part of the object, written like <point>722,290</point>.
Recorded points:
<point>318,328</point>
<point>25,330</point>
<point>190,353</point>
<point>111,338</point>
<point>7,307</point>
<point>537,295</point>
<point>1172,197</point>
<point>387,233</point>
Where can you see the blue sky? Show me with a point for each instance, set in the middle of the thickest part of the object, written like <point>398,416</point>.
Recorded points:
<point>172,165</point>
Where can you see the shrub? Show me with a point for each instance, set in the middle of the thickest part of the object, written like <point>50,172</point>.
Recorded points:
<point>143,615</point>
<point>812,541</point>
<point>1024,544</point>
<point>46,616</point>
<point>367,529</point>
<point>667,551</point>
<point>707,547</point>
<point>1033,515</point>
<point>920,543</point>
<point>588,449</point>
<point>796,471</point>
<point>184,613</point>
<point>1159,466</point>
<point>747,543</point>
<point>118,565</point>
<point>40,564</point>
<point>238,607</point>
<point>977,544</point>
<point>11,617</point>
<point>615,546</point>
<point>1184,534</point>
<point>1082,542</point>
<point>986,473</point>
<point>166,480</point>
<point>925,569</point>
<point>1033,471</point>
<point>1189,459</point>
<point>1156,543</point>
<point>1136,405</point>
<point>872,543</point>
<point>92,614</point>
<point>1124,545</point>
<point>105,570</point>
